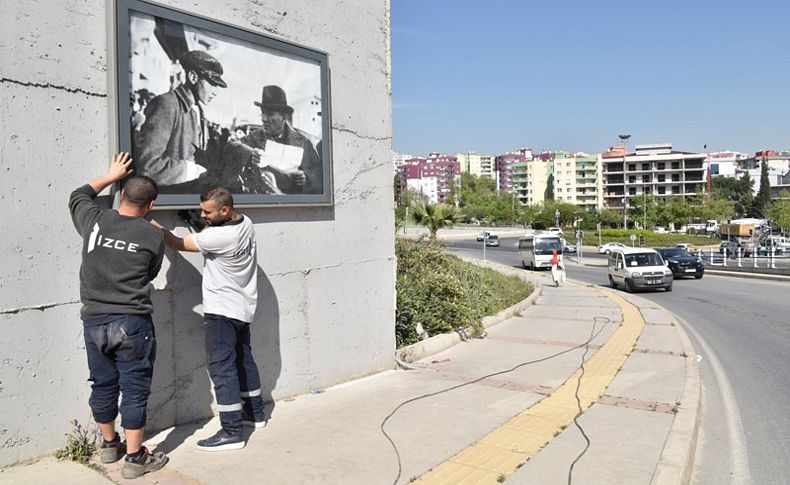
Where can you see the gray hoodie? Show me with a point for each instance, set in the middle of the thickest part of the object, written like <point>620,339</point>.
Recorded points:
<point>120,257</point>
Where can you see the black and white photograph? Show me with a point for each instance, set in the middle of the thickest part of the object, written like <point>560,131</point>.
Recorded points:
<point>210,104</point>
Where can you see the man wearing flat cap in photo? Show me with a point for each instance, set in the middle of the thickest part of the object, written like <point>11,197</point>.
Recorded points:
<point>276,116</point>
<point>175,131</point>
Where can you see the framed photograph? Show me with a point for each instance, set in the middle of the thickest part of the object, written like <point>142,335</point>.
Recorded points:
<point>200,103</point>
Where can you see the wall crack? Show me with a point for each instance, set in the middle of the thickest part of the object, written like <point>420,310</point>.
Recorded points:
<point>375,138</point>
<point>52,86</point>
<point>42,307</point>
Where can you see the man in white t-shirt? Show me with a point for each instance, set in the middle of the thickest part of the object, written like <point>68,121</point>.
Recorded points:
<point>230,296</point>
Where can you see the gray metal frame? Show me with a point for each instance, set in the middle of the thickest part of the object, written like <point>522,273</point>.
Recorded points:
<point>121,113</point>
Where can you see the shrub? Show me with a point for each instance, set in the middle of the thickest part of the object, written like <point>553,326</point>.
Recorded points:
<point>80,444</point>
<point>443,293</point>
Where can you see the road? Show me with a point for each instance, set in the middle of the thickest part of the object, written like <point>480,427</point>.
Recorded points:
<point>741,331</point>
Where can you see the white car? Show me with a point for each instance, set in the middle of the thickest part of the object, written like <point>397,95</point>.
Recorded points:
<point>609,247</point>
<point>482,236</point>
<point>554,230</point>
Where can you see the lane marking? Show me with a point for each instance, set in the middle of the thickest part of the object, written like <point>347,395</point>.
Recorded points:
<point>738,454</point>
<point>501,452</point>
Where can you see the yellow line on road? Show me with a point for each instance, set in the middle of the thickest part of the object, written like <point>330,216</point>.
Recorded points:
<point>501,452</point>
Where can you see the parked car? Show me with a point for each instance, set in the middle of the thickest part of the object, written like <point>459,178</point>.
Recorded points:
<point>555,230</point>
<point>682,263</point>
<point>492,240</point>
<point>566,247</point>
<point>607,248</point>
<point>638,268</point>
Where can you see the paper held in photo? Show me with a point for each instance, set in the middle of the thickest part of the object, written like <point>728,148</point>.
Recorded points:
<point>285,158</point>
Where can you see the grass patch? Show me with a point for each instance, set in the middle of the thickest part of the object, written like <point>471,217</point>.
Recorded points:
<point>652,239</point>
<point>442,293</point>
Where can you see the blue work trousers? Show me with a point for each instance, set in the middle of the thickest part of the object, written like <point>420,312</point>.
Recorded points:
<point>232,368</point>
<point>121,353</point>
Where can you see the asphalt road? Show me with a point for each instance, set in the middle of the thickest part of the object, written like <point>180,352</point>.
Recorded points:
<point>740,328</point>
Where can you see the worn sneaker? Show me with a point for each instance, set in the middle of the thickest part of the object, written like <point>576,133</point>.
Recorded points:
<point>148,463</point>
<point>112,451</point>
<point>222,441</point>
<point>248,419</point>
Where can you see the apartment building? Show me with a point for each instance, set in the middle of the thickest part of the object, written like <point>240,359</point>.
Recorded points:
<point>433,176</point>
<point>530,178</point>
<point>651,169</point>
<point>504,165</point>
<point>477,164</point>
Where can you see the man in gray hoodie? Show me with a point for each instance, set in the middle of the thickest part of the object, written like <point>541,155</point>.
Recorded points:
<point>121,254</point>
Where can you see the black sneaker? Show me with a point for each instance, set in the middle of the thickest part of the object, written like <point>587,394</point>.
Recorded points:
<point>147,463</point>
<point>247,419</point>
<point>222,441</point>
<point>112,451</point>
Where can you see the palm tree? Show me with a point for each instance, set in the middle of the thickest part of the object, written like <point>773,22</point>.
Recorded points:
<point>435,216</point>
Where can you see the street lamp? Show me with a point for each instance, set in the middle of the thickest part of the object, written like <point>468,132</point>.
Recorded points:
<point>557,216</point>
<point>624,139</point>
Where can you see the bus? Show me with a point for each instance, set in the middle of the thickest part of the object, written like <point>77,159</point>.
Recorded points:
<point>535,250</point>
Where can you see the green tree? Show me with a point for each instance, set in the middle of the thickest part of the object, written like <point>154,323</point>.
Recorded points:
<point>780,211</point>
<point>610,217</point>
<point>644,210</point>
<point>761,205</point>
<point>744,204</point>
<point>435,217</point>
<point>549,193</point>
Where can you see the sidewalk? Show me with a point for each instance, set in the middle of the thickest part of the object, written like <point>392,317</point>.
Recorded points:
<point>639,391</point>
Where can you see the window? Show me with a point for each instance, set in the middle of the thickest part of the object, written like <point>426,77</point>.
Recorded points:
<point>675,165</point>
<point>632,191</point>
<point>662,178</point>
<point>662,190</point>
<point>631,166</point>
<point>645,166</point>
<point>632,179</point>
<point>661,165</point>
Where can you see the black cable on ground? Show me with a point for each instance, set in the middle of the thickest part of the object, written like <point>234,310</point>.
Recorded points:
<point>579,402</point>
<point>464,384</point>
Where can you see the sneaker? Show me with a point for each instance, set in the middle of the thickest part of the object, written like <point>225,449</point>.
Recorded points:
<point>222,441</point>
<point>112,451</point>
<point>248,419</point>
<point>148,463</point>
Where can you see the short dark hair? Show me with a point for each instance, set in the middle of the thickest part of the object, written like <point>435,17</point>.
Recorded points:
<point>140,190</point>
<point>218,194</point>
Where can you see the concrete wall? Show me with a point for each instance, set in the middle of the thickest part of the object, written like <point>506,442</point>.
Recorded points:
<point>326,274</point>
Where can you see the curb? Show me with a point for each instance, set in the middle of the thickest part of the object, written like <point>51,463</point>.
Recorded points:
<point>437,343</point>
<point>676,463</point>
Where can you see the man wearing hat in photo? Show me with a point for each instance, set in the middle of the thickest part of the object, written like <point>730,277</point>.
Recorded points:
<point>276,117</point>
<point>175,129</point>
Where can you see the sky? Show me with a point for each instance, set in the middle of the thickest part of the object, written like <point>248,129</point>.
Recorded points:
<point>498,75</point>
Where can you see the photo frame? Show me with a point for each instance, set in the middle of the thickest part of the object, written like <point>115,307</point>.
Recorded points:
<point>202,103</point>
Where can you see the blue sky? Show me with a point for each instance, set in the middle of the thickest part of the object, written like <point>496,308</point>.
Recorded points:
<point>497,75</point>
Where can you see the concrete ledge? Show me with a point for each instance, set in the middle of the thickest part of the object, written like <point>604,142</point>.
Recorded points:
<point>437,343</point>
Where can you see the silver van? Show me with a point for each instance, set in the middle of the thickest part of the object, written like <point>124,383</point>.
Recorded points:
<point>638,269</point>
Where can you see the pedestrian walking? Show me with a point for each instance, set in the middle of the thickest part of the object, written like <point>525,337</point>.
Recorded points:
<point>557,268</point>
<point>230,297</point>
<point>121,254</point>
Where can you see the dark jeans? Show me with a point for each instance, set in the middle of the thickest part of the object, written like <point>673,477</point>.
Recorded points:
<point>233,371</point>
<point>121,353</point>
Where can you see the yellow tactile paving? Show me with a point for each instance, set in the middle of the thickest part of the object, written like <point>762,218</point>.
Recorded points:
<point>502,451</point>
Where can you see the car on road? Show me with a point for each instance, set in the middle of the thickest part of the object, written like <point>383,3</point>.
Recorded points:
<point>554,230</point>
<point>607,248</point>
<point>638,269</point>
<point>492,240</point>
<point>566,247</point>
<point>481,236</point>
<point>682,246</point>
<point>682,263</point>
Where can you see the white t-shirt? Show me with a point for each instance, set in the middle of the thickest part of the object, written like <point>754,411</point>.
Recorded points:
<point>230,269</point>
